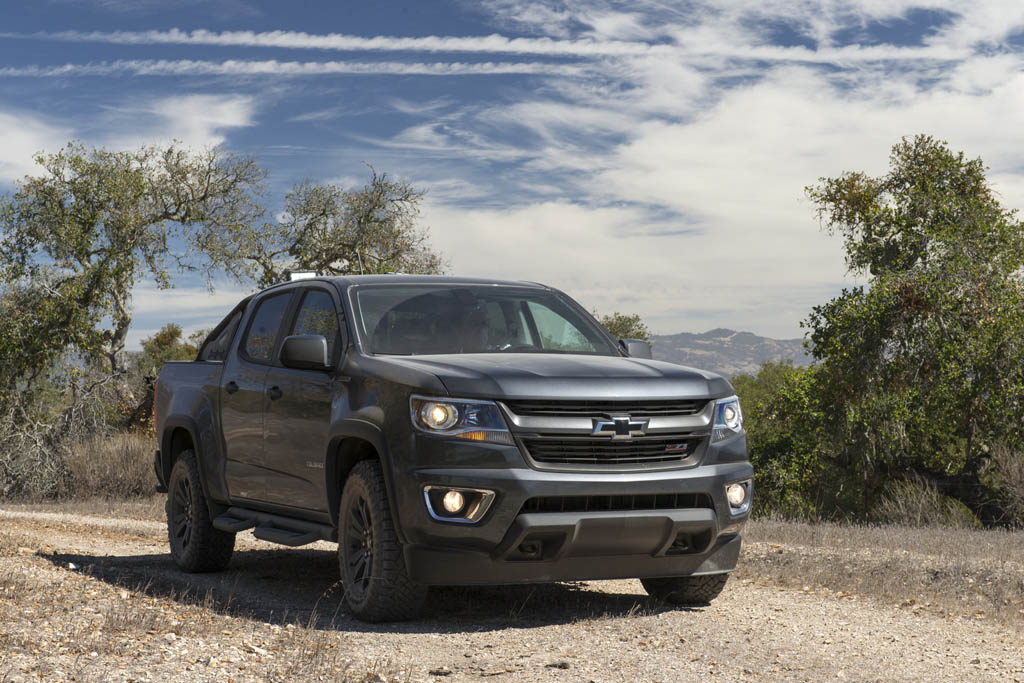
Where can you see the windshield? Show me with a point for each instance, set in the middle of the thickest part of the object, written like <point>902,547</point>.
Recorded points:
<point>422,319</point>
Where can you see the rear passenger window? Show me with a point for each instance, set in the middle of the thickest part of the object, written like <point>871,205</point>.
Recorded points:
<point>317,315</point>
<point>217,348</point>
<point>266,321</point>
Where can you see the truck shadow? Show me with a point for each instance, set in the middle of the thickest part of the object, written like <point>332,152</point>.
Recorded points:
<point>301,587</point>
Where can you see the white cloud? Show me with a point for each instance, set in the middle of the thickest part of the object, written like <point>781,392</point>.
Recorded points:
<point>195,120</point>
<point>730,161</point>
<point>272,67</point>
<point>194,308</point>
<point>657,162</point>
<point>22,135</point>
<point>350,43</point>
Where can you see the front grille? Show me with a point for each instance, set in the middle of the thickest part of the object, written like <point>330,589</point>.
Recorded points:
<point>590,408</point>
<point>642,450</point>
<point>659,501</point>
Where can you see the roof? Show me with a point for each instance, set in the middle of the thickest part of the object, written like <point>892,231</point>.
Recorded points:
<point>397,278</point>
<point>426,279</point>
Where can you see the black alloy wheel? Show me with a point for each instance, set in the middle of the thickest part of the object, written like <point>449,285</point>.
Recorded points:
<point>196,545</point>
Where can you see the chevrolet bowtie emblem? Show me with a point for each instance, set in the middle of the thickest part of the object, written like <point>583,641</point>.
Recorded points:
<point>619,428</point>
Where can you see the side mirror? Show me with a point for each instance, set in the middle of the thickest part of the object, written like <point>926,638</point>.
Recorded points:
<point>306,352</point>
<point>636,348</point>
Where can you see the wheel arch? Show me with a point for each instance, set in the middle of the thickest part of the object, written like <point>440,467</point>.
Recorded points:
<point>351,443</point>
<point>180,434</point>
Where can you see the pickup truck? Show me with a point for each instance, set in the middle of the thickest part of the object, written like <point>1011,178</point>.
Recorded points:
<point>450,431</point>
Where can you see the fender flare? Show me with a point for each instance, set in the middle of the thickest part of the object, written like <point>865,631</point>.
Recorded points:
<point>171,424</point>
<point>353,427</point>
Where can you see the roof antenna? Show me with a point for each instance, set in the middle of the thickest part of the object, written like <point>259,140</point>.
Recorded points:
<point>359,256</point>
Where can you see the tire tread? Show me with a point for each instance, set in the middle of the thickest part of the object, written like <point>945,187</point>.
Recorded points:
<point>211,548</point>
<point>686,590</point>
<point>393,596</point>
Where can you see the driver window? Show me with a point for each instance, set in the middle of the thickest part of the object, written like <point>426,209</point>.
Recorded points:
<point>317,315</point>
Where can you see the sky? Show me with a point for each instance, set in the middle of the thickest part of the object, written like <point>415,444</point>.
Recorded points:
<point>647,156</point>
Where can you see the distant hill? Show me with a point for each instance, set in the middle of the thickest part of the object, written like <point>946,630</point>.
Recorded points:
<point>726,352</point>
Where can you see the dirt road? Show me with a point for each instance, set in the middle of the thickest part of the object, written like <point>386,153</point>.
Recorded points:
<point>97,598</point>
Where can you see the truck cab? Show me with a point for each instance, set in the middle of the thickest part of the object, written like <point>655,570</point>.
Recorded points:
<point>450,431</point>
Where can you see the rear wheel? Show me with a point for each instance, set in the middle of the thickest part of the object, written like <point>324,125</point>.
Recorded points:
<point>377,585</point>
<point>686,590</point>
<point>196,546</point>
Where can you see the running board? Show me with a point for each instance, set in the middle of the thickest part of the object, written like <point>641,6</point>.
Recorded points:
<point>284,537</point>
<point>274,528</point>
<point>232,524</point>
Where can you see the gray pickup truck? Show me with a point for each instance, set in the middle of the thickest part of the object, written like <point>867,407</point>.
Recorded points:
<point>450,431</point>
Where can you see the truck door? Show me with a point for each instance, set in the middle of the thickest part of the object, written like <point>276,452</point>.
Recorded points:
<point>297,411</point>
<point>242,396</point>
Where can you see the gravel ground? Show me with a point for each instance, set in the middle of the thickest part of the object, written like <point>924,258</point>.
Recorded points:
<point>90,597</point>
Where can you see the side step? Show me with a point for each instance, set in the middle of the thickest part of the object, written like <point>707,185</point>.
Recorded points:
<point>284,537</point>
<point>231,524</point>
<point>274,528</point>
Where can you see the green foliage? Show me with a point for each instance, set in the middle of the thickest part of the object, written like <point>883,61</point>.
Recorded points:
<point>922,370</point>
<point>166,345</point>
<point>38,326</point>
<point>94,223</point>
<point>625,326</point>
<point>372,230</point>
<point>789,447</point>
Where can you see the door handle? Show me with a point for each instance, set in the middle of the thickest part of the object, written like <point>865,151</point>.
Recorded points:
<point>274,393</point>
<point>231,387</point>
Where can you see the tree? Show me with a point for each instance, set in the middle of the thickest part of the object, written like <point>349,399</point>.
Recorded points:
<point>372,229</point>
<point>795,466</point>
<point>923,368</point>
<point>96,222</point>
<point>163,346</point>
<point>625,326</point>
<point>38,325</point>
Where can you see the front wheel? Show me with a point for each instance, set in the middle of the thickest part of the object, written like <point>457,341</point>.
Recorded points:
<point>377,585</point>
<point>686,590</point>
<point>196,545</point>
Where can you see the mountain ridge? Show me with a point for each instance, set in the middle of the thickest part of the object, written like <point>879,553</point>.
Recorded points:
<point>725,351</point>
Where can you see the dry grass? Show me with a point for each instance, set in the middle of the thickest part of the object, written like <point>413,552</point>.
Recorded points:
<point>68,626</point>
<point>951,570</point>
<point>148,508</point>
<point>117,466</point>
<point>917,502</point>
<point>1009,467</point>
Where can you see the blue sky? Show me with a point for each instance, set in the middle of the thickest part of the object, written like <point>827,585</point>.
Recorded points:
<point>647,156</point>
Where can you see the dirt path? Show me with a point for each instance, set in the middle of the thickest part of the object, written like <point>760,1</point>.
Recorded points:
<point>94,598</point>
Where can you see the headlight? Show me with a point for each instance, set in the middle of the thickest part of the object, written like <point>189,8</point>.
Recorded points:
<point>728,418</point>
<point>460,418</point>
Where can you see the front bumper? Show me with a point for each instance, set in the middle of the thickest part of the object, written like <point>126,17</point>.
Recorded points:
<point>510,545</point>
<point>447,566</point>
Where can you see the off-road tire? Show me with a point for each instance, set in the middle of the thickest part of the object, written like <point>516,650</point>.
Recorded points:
<point>196,546</point>
<point>686,590</point>
<point>373,572</point>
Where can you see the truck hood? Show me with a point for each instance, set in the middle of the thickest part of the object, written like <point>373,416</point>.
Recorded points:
<point>534,375</point>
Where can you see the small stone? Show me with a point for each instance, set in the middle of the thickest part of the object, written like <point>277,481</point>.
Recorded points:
<point>558,665</point>
<point>170,637</point>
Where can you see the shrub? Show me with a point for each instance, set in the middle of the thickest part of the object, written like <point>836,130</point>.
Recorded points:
<point>115,466</point>
<point>1009,480</point>
<point>916,502</point>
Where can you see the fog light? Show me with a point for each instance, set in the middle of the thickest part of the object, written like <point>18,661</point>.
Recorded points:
<point>453,501</point>
<point>737,494</point>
